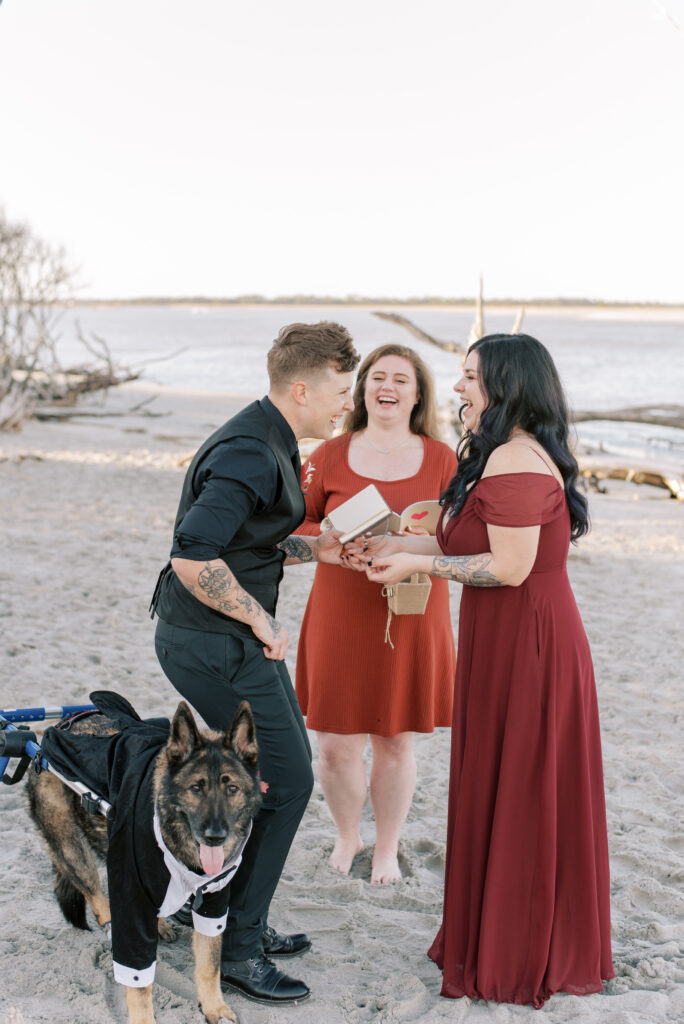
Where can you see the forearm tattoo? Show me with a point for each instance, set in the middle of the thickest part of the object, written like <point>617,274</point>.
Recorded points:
<point>274,624</point>
<point>469,569</point>
<point>222,591</point>
<point>214,581</point>
<point>298,548</point>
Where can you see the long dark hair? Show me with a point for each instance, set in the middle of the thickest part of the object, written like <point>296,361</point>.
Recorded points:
<point>424,413</point>
<point>521,388</point>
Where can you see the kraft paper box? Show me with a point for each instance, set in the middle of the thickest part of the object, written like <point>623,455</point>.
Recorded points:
<point>409,597</point>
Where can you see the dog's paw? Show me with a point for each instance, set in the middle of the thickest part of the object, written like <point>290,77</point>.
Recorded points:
<point>166,930</point>
<point>222,1015</point>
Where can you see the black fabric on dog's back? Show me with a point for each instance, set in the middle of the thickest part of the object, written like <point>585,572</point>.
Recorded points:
<point>99,762</point>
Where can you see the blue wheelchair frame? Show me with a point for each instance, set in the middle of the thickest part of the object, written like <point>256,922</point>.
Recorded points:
<point>21,743</point>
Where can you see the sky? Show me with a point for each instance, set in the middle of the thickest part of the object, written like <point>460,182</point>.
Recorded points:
<point>374,147</point>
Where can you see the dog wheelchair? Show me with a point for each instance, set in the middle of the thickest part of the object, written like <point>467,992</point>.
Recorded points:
<point>20,742</point>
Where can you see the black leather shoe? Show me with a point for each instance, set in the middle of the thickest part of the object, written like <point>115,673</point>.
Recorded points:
<point>284,945</point>
<point>260,980</point>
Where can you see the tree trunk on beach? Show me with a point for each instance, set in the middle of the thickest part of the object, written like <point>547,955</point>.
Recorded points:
<point>476,331</point>
<point>35,283</point>
<point>660,415</point>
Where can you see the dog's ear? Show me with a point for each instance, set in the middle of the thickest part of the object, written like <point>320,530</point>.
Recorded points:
<point>184,736</point>
<point>242,735</point>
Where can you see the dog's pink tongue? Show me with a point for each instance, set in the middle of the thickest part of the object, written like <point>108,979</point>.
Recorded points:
<point>211,858</point>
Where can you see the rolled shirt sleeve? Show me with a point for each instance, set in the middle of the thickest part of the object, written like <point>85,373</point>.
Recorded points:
<point>237,479</point>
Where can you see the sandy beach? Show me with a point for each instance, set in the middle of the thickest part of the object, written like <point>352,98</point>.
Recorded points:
<point>87,510</point>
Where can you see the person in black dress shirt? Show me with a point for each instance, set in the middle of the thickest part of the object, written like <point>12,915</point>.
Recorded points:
<point>217,637</point>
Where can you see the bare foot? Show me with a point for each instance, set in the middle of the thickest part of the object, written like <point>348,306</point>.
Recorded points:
<point>344,852</point>
<point>385,869</point>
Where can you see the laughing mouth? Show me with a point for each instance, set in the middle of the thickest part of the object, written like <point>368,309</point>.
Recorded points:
<point>464,410</point>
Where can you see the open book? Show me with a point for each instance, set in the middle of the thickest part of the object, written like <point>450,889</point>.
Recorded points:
<point>368,512</point>
<point>420,513</point>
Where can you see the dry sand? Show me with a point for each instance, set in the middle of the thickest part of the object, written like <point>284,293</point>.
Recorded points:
<point>87,510</point>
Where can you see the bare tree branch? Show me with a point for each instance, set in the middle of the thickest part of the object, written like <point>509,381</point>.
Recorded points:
<point>418,332</point>
<point>35,282</point>
<point>476,331</point>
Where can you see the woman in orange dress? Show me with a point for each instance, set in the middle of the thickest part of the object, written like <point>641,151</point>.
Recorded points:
<point>526,897</point>
<point>350,682</point>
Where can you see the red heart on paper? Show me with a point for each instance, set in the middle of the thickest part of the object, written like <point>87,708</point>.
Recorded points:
<point>419,515</point>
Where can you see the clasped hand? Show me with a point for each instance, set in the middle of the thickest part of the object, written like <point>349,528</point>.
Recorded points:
<point>367,548</point>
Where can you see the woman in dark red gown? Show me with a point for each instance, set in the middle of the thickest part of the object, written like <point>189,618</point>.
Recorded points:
<point>526,897</point>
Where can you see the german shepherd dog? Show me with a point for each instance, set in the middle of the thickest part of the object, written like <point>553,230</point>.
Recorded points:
<point>206,792</point>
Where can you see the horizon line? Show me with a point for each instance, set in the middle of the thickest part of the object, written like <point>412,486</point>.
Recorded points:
<point>363,300</point>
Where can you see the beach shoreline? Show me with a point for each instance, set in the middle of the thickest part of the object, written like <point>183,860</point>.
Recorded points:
<point>88,509</point>
<point>598,309</point>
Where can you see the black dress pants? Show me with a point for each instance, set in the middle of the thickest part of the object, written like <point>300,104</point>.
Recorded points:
<point>214,672</point>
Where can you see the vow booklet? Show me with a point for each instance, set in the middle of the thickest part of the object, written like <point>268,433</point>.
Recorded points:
<point>358,514</point>
<point>421,513</point>
<point>368,512</point>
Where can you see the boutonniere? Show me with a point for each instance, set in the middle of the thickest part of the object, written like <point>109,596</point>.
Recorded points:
<point>310,470</point>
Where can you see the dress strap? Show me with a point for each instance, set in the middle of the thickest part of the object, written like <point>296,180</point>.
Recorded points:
<point>542,458</point>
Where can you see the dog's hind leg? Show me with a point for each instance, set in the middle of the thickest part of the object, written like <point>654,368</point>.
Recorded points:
<point>73,859</point>
<point>207,950</point>
<point>139,1003</point>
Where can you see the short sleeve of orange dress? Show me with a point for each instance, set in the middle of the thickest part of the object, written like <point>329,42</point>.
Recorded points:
<point>348,679</point>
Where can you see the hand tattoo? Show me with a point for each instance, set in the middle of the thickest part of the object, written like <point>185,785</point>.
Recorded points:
<point>297,548</point>
<point>468,569</point>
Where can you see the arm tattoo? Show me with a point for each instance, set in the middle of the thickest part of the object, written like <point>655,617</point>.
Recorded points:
<point>214,582</point>
<point>274,624</point>
<point>297,548</point>
<point>223,592</point>
<point>468,569</point>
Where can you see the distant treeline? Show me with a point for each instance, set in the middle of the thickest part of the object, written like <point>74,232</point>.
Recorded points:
<point>363,300</point>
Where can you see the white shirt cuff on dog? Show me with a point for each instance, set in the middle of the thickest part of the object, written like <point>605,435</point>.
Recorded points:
<point>132,977</point>
<point>209,925</point>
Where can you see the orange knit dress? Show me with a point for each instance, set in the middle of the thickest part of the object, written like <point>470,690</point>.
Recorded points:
<point>348,679</point>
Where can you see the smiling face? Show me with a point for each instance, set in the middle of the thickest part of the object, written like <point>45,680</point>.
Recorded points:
<point>391,391</point>
<point>328,398</point>
<point>471,393</point>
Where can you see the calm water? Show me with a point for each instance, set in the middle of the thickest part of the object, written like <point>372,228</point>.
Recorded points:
<point>606,360</point>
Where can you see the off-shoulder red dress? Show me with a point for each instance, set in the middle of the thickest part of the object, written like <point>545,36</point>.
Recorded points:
<point>526,895</point>
<point>349,680</point>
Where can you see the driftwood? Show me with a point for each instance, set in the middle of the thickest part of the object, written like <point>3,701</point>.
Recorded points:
<point>477,329</point>
<point>36,281</point>
<point>476,332</point>
<point>594,474</point>
<point>57,413</point>
<point>418,332</point>
<point>658,415</point>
